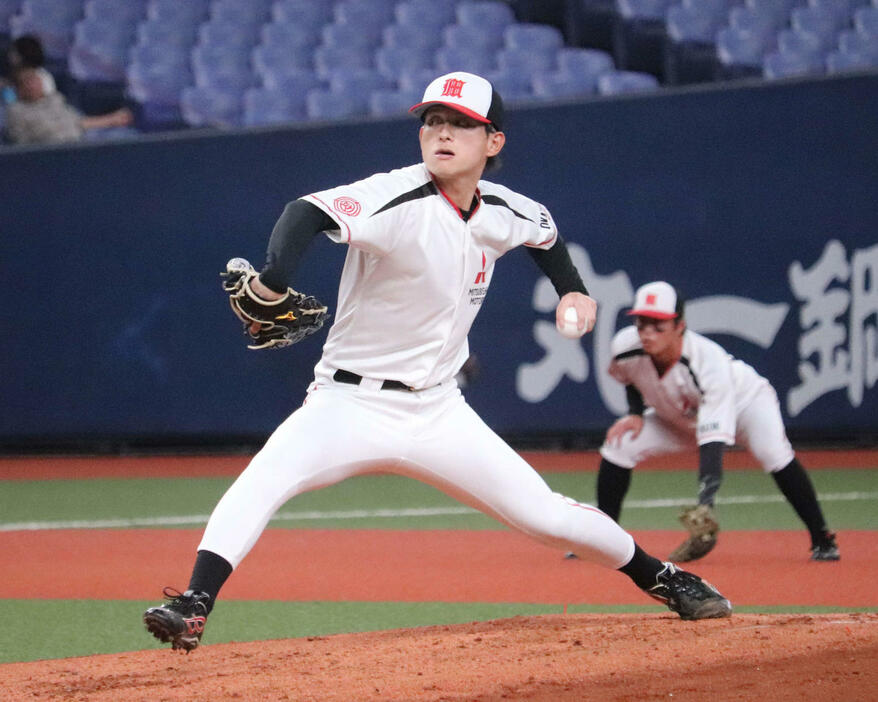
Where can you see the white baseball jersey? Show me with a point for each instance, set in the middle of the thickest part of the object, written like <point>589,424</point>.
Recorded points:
<point>705,390</point>
<point>415,276</point>
<point>416,272</point>
<point>707,396</point>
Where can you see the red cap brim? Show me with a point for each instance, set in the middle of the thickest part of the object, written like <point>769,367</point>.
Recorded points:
<point>421,106</point>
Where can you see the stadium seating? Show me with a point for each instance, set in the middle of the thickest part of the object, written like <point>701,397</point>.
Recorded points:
<point>425,13</point>
<point>384,103</point>
<point>210,106</point>
<point>264,106</point>
<point>639,35</point>
<point>623,82</point>
<point>51,20</point>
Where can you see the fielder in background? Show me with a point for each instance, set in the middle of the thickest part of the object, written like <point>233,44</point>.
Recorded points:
<point>422,243</point>
<point>684,391</point>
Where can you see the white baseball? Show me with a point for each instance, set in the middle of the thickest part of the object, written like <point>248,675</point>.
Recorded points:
<point>569,328</point>
<point>237,265</point>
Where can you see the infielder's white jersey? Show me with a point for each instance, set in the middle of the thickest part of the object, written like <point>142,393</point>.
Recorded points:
<point>416,272</point>
<point>705,391</point>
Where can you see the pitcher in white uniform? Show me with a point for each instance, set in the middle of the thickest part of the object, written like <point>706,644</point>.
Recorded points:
<point>422,244</point>
<point>685,392</point>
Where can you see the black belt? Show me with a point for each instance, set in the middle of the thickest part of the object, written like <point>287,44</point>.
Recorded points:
<point>343,376</point>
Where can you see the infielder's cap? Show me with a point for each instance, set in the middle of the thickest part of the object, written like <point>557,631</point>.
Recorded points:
<point>658,300</point>
<point>467,93</point>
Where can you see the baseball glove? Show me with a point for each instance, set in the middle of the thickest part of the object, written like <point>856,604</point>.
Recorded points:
<point>703,529</point>
<point>284,321</point>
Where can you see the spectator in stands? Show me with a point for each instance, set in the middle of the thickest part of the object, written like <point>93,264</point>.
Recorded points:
<point>40,118</point>
<point>26,52</point>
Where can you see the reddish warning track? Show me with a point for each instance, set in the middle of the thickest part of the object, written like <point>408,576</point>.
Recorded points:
<point>751,568</point>
<point>81,467</point>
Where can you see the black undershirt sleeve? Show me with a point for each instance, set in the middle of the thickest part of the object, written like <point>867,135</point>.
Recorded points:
<point>710,471</point>
<point>294,230</point>
<point>635,400</point>
<point>555,263</point>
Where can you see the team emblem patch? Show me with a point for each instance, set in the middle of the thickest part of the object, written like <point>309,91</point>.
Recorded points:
<point>347,206</point>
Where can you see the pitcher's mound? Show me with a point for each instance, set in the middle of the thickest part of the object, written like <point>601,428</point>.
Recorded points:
<point>548,658</point>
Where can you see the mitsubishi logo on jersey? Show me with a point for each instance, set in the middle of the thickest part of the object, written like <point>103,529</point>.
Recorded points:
<point>480,276</point>
<point>452,88</point>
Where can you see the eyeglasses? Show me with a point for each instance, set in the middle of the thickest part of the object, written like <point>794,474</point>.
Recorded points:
<point>659,325</point>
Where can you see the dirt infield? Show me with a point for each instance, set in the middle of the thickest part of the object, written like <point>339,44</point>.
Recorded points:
<point>559,658</point>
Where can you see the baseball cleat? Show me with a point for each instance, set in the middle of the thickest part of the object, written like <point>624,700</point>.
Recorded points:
<point>688,595</point>
<point>826,549</point>
<point>180,620</point>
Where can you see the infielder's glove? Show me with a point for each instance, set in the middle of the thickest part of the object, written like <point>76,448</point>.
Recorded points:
<point>284,321</point>
<point>703,529</point>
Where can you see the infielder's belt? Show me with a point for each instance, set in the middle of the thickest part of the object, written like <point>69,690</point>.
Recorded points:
<point>343,376</point>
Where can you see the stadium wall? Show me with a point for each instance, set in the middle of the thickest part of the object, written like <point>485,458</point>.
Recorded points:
<point>760,201</point>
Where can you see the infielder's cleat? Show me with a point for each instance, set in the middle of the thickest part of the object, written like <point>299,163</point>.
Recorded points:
<point>826,549</point>
<point>180,620</point>
<point>688,595</point>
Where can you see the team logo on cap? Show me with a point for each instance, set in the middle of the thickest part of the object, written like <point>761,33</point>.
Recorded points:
<point>650,299</point>
<point>452,88</point>
<point>347,206</point>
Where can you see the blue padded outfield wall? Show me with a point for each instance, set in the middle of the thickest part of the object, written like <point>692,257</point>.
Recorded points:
<point>759,201</point>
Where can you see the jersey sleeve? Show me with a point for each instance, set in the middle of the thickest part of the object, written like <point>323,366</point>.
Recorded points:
<point>527,222</point>
<point>624,343</point>
<point>358,208</point>
<point>716,413</point>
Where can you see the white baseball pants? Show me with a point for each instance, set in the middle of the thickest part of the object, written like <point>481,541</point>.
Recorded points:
<point>431,435</point>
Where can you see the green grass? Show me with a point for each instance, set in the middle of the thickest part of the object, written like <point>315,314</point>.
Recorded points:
<point>43,629</point>
<point>39,629</point>
<point>189,501</point>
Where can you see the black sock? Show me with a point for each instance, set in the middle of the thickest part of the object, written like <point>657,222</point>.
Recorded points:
<point>209,574</point>
<point>613,482</point>
<point>796,486</point>
<point>642,568</point>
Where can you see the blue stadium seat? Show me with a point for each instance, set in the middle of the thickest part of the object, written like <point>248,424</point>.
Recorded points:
<point>359,83</point>
<point>740,51</point>
<point>591,62</point>
<point>800,43</point>
<point>466,36</point>
<point>100,50</point>
<point>866,21</point>
<point>119,11</point>
<point>298,81</point>
<point>51,20</point>
<point>778,10</point>
<point>189,12</point>
<point>351,35</point>
<point>643,9</point>
<point>415,80</point>
<point>166,33</point>
<point>405,36</point>
<point>211,107</point>
<point>823,23</point>
<point>843,9</point>
<point>564,84</point>
<point>532,37</point>
<point>264,107</point>
<point>277,60</point>
<point>392,61</point>
<point>843,61</point>
<point>485,14</point>
<point>525,63</point>
<point>304,12</point>
<point>155,78</point>
<point>512,86</point>
<point>364,13</point>
<point>761,19</point>
<point>385,103</point>
<point>241,11</point>
<point>473,59</point>
<point>7,9</point>
<point>790,64</point>
<point>693,23</point>
<point>231,34</point>
<point>327,105</point>
<point>288,34</point>
<point>852,42</point>
<point>425,13</point>
<point>222,67</point>
<point>329,58</point>
<point>622,82</point>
